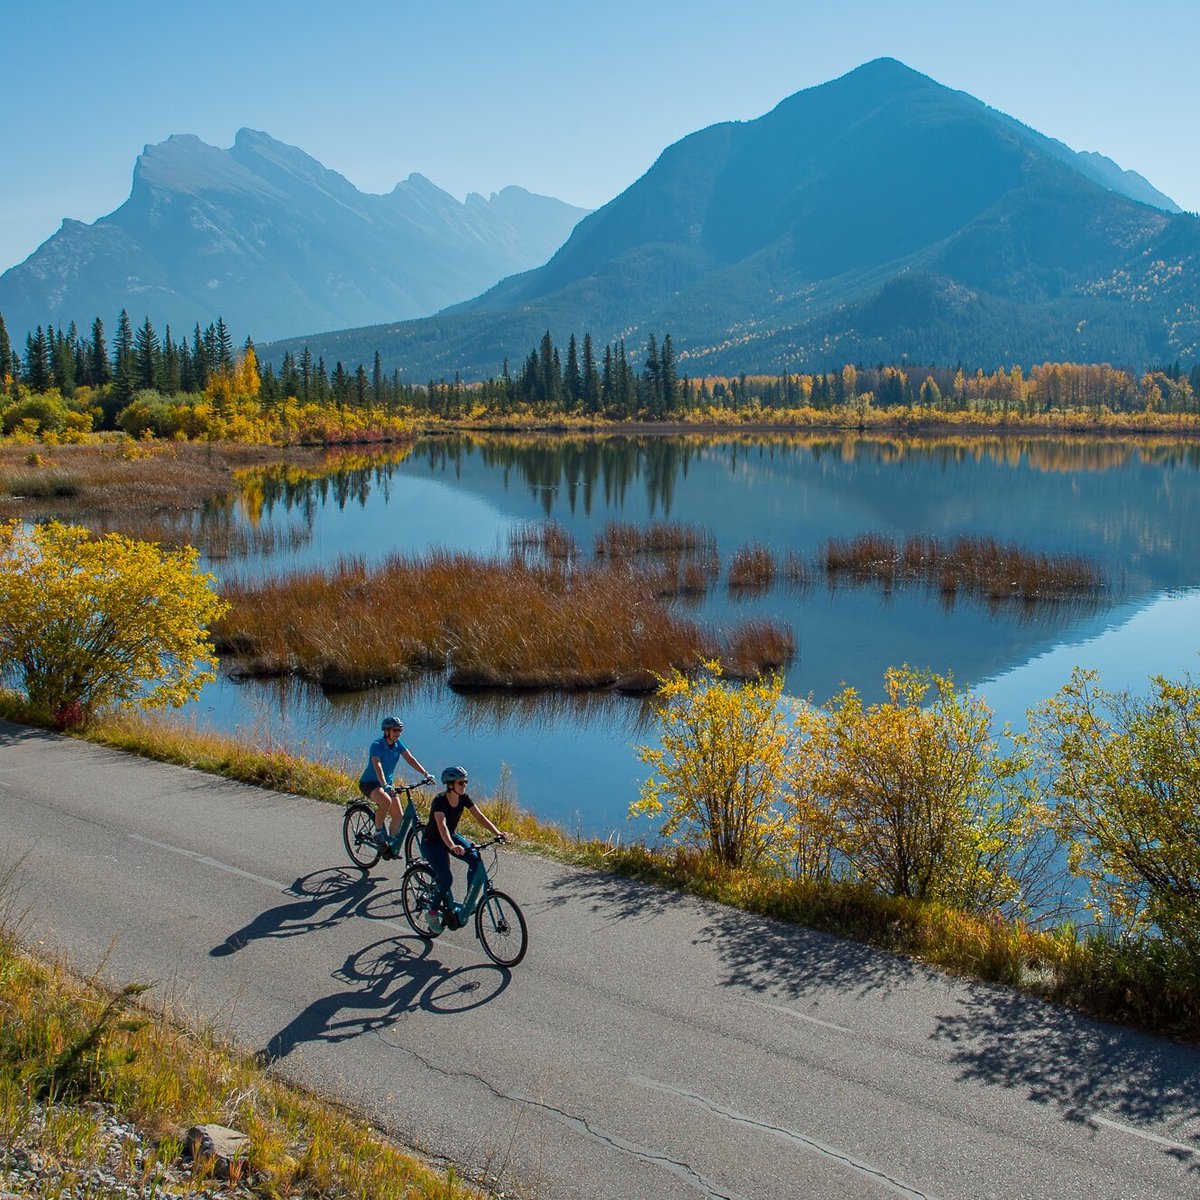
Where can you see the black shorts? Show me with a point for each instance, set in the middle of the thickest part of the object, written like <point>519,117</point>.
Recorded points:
<point>366,788</point>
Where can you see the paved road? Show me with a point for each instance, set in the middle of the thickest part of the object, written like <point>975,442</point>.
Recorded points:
<point>649,1046</point>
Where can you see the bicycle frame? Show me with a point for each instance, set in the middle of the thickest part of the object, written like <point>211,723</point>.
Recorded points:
<point>409,821</point>
<point>479,884</point>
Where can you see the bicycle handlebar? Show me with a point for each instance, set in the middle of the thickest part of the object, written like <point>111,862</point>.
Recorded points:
<point>409,788</point>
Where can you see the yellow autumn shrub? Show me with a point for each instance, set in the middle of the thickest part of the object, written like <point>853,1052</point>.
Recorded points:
<point>1125,771</point>
<point>719,770</point>
<point>90,622</point>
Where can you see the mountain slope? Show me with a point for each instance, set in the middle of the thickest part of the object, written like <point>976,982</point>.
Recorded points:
<point>784,242</point>
<point>267,237</point>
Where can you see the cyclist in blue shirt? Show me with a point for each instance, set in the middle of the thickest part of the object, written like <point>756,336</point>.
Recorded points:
<point>377,779</point>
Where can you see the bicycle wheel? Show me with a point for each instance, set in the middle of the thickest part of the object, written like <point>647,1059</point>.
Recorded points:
<point>500,928</point>
<point>417,893</point>
<point>412,844</point>
<point>358,833</point>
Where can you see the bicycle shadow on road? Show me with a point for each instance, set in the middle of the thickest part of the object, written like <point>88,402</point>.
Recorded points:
<point>325,898</point>
<point>386,980</point>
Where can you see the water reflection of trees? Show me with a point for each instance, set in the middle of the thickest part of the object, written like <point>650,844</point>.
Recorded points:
<point>573,469</point>
<point>345,476</point>
<point>499,711</point>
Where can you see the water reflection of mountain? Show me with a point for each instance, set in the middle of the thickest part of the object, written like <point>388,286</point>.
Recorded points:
<point>1133,506</point>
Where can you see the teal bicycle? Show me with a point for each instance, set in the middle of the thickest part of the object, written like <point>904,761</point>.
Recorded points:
<point>358,832</point>
<point>499,923</point>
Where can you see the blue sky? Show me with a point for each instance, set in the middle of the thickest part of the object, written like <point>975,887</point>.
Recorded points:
<point>570,99</point>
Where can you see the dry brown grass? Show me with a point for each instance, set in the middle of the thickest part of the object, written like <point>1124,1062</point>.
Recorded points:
<point>751,569</point>
<point>489,622</point>
<point>758,646</point>
<point>545,538</point>
<point>131,487</point>
<point>974,565</point>
<point>797,571</point>
<point>620,540</point>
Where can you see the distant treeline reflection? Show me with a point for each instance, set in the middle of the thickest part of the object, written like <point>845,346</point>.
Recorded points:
<point>578,470</point>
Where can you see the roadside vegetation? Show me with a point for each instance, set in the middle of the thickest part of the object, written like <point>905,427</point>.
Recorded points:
<point>910,825</point>
<point>98,1089</point>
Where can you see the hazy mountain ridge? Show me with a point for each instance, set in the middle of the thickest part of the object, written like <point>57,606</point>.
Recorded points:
<point>276,243</point>
<point>778,243</point>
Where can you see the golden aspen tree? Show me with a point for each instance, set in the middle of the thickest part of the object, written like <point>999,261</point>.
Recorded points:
<point>94,622</point>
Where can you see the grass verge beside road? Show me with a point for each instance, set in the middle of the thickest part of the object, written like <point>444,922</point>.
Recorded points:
<point>1137,984</point>
<point>97,1095</point>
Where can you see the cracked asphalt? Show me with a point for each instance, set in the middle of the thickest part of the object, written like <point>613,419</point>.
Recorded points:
<point>649,1045</point>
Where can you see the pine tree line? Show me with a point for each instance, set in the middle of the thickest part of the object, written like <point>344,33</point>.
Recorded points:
<point>606,385</point>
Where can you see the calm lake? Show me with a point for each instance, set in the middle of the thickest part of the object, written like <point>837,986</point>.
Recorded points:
<point>1132,507</point>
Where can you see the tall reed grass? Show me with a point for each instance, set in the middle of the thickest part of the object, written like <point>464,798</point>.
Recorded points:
<point>489,622</point>
<point>549,539</point>
<point>974,565</point>
<point>621,540</point>
<point>751,569</point>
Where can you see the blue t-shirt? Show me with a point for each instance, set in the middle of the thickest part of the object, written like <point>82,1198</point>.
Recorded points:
<point>388,757</point>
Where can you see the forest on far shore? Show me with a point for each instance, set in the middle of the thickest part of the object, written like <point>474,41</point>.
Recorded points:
<point>67,385</point>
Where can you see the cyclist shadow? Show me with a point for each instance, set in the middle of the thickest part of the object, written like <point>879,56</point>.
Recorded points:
<point>325,898</point>
<point>386,980</point>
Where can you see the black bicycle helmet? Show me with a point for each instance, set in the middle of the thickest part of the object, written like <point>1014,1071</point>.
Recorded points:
<point>392,723</point>
<point>454,775</point>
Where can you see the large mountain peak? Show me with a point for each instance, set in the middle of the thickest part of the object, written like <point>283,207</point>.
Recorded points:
<point>776,243</point>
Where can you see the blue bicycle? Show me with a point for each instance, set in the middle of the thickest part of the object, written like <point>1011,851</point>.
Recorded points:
<point>499,922</point>
<point>358,832</point>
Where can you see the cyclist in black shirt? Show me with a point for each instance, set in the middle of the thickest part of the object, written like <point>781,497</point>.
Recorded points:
<point>440,839</point>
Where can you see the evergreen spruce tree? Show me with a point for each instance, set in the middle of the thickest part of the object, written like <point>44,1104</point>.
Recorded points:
<point>669,378</point>
<point>124,368</point>
<point>37,361</point>
<point>591,377</point>
<point>306,375</point>
<point>146,352</point>
<point>377,381</point>
<point>224,346</point>
<point>187,378</point>
<point>608,380</point>
<point>572,377</point>
<point>651,395</point>
<point>549,374</point>
<point>5,351</point>
<point>62,363</point>
<point>169,380</point>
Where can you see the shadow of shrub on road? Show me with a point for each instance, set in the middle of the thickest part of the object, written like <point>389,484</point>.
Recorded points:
<point>758,953</point>
<point>1079,1066</point>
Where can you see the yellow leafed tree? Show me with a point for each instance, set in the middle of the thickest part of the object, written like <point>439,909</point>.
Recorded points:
<point>922,801</point>
<point>1126,772</point>
<point>248,383</point>
<point>94,622</point>
<point>720,768</point>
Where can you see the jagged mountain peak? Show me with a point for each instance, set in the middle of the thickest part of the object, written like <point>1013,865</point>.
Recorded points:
<point>275,242</point>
